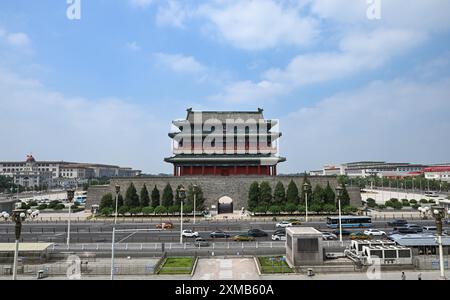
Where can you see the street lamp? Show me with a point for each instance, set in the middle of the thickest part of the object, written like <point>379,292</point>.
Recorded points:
<point>117,187</point>
<point>18,217</point>
<point>438,214</point>
<point>70,195</point>
<point>195,198</point>
<point>181,196</point>
<point>306,189</point>
<point>339,190</point>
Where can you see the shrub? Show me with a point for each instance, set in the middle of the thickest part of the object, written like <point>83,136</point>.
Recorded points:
<point>349,209</point>
<point>416,206</point>
<point>329,208</point>
<point>32,203</point>
<point>371,202</point>
<point>301,208</point>
<point>106,211</point>
<point>423,201</point>
<point>59,206</point>
<point>290,207</point>
<point>42,206</point>
<point>405,202</point>
<point>381,206</point>
<point>23,205</point>
<point>261,209</point>
<point>187,208</point>
<point>174,209</point>
<point>431,201</point>
<point>147,210</point>
<point>135,210</point>
<point>53,204</point>
<point>123,210</point>
<point>159,210</point>
<point>412,201</point>
<point>274,209</point>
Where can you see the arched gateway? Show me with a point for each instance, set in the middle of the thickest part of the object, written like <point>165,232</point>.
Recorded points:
<point>225,205</point>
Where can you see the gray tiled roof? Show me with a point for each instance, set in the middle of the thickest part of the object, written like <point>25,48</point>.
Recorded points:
<point>411,240</point>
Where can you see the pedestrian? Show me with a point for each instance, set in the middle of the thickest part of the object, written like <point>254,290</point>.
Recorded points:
<point>419,277</point>
<point>403,276</point>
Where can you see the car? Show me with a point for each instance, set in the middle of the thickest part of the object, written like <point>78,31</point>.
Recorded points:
<point>201,242</point>
<point>403,230</point>
<point>344,232</point>
<point>280,231</point>
<point>189,233</point>
<point>429,228</point>
<point>374,232</point>
<point>327,236</point>
<point>166,225</point>
<point>244,237</point>
<point>331,256</point>
<point>278,237</point>
<point>359,236</point>
<point>219,234</point>
<point>257,233</point>
<point>283,224</point>
<point>397,223</point>
<point>415,227</point>
<point>294,222</point>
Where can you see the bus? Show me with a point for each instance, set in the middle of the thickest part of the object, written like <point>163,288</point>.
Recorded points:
<point>349,221</point>
<point>81,197</point>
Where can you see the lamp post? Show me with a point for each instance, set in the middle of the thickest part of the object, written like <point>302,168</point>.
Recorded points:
<point>195,198</point>
<point>117,187</point>
<point>70,195</point>
<point>306,189</point>
<point>181,196</point>
<point>438,214</point>
<point>339,190</point>
<point>18,217</point>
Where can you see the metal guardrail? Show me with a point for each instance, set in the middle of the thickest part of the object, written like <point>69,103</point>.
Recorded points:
<point>167,246</point>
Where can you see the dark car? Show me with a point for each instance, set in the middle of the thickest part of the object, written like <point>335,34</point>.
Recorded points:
<point>280,231</point>
<point>257,233</point>
<point>404,230</point>
<point>219,234</point>
<point>398,223</point>
<point>344,232</point>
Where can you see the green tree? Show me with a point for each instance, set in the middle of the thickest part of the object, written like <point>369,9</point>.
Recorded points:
<point>371,202</point>
<point>329,195</point>
<point>274,209</point>
<point>290,207</point>
<point>318,196</point>
<point>145,199</point>
<point>292,193</point>
<point>174,209</point>
<point>199,199</point>
<point>155,197</point>
<point>329,208</point>
<point>106,211</point>
<point>261,209</point>
<point>167,197</point>
<point>279,194</point>
<point>301,208</point>
<point>348,209</point>
<point>107,201</point>
<point>131,197</point>
<point>345,198</point>
<point>316,207</point>
<point>265,194</point>
<point>135,210</point>
<point>119,201</point>
<point>253,196</point>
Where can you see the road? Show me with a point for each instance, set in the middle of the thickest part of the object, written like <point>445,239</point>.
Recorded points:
<point>101,232</point>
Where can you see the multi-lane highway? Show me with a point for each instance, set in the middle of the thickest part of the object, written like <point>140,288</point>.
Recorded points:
<point>101,232</point>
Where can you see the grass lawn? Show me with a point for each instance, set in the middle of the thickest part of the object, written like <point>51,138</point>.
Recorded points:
<point>277,266</point>
<point>177,265</point>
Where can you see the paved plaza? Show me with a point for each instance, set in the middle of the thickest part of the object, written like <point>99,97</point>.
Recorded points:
<point>226,269</point>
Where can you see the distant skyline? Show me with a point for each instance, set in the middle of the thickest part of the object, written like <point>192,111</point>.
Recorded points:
<point>105,88</point>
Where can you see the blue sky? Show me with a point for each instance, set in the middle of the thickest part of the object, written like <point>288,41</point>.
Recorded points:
<point>106,87</point>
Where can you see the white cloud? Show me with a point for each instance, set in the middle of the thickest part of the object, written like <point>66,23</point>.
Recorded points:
<point>57,127</point>
<point>395,120</point>
<point>180,63</point>
<point>259,24</point>
<point>357,53</point>
<point>141,3</point>
<point>15,39</point>
<point>173,14</point>
<point>133,46</point>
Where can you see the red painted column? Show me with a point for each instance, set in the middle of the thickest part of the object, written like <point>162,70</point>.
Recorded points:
<point>246,170</point>
<point>203,170</point>
<point>215,168</point>
<point>191,170</point>
<point>259,169</point>
<point>235,170</point>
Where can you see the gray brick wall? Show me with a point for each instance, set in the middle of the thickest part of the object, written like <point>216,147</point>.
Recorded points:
<point>214,187</point>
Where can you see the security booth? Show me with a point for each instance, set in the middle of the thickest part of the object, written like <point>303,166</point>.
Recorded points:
<point>304,246</point>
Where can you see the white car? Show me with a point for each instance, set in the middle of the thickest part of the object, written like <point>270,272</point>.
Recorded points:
<point>278,237</point>
<point>374,232</point>
<point>283,224</point>
<point>189,233</point>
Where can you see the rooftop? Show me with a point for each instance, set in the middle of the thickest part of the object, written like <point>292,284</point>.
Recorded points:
<point>411,240</point>
<point>24,247</point>
<point>303,231</point>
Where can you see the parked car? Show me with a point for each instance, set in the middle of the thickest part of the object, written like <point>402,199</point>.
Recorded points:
<point>429,228</point>
<point>374,232</point>
<point>397,223</point>
<point>295,222</point>
<point>189,233</point>
<point>283,224</point>
<point>242,238</point>
<point>415,227</point>
<point>219,234</point>
<point>201,242</point>
<point>359,236</point>
<point>280,231</point>
<point>257,233</point>
<point>403,230</point>
<point>278,237</point>
<point>166,225</point>
<point>327,236</point>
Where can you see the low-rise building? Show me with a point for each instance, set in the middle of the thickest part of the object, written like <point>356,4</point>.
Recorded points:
<point>441,173</point>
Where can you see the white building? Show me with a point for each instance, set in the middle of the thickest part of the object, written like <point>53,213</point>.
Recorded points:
<point>440,173</point>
